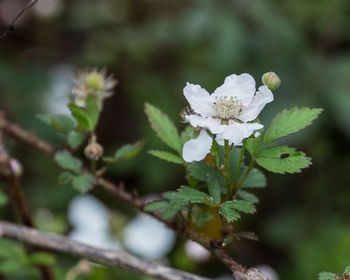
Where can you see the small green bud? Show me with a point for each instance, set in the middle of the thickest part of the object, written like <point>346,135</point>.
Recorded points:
<point>271,80</point>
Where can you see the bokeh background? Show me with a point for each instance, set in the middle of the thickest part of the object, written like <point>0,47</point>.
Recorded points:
<point>153,48</point>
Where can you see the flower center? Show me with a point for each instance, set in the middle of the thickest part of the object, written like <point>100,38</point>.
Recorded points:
<point>227,108</point>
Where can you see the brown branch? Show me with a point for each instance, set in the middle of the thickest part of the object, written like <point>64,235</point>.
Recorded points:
<point>215,247</point>
<point>11,27</point>
<point>107,257</point>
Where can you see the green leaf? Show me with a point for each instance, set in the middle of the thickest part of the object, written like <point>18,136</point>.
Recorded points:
<point>42,258</point>
<point>8,249</point>
<point>187,134</point>
<point>167,156</point>
<point>201,171</point>
<point>228,212</point>
<point>126,152</point>
<point>65,160</point>
<point>214,188</point>
<point>164,127</point>
<point>290,121</point>
<point>62,123</point>
<point>327,276</point>
<point>169,195</point>
<point>92,109</point>
<point>156,205</point>
<point>81,117</point>
<point>3,198</point>
<point>74,139</point>
<point>282,159</point>
<point>169,213</point>
<point>254,145</point>
<point>242,206</point>
<point>255,179</point>
<point>247,196</point>
<point>188,194</point>
<point>83,183</point>
<point>347,270</point>
<point>65,178</point>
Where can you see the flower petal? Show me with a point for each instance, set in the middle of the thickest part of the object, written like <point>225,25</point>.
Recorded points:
<point>199,100</point>
<point>236,132</point>
<point>240,86</point>
<point>261,98</point>
<point>197,149</point>
<point>214,125</point>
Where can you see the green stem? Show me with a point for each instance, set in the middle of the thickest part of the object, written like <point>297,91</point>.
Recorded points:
<point>93,166</point>
<point>250,167</point>
<point>238,167</point>
<point>227,164</point>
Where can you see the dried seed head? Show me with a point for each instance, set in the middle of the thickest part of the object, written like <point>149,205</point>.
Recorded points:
<point>271,80</point>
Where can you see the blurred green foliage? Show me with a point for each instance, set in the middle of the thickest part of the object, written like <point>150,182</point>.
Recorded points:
<point>153,47</point>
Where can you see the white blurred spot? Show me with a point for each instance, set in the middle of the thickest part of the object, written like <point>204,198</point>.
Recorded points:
<point>61,84</point>
<point>268,271</point>
<point>89,218</point>
<point>196,251</point>
<point>48,8</point>
<point>147,237</point>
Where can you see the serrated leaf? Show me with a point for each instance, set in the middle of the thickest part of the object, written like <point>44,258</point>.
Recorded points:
<point>156,205</point>
<point>188,194</point>
<point>92,109</point>
<point>169,213</point>
<point>65,160</point>
<point>247,196</point>
<point>247,235</point>
<point>254,145</point>
<point>126,152</point>
<point>164,127</point>
<point>242,206</point>
<point>83,183</point>
<point>290,121</point>
<point>169,195</point>
<point>255,178</point>
<point>201,171</point>
<point>228,212</point>
<point>65,178</point>
<point>81,117</point>
<point>62,123</point>
<point>327,276</point>
<point>167,156</point>
<point>42,258</point>
<point>214,188</point>
<point>282,159</point>
<point>74,139</point>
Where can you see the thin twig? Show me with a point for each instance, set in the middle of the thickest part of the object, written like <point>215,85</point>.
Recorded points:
<point>215,247</point>
<point>107,257</point>
<point>12,24</point>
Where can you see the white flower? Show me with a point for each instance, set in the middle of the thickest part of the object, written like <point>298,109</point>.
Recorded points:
<point>227,112</point>
<point>197,149</point>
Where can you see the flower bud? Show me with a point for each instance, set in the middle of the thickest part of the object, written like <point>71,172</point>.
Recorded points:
<point>271,80</point>
<point>93,151</point>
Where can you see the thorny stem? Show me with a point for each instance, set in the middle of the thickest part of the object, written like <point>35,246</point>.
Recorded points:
<point>26,137</point>
<point>233,186</point>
